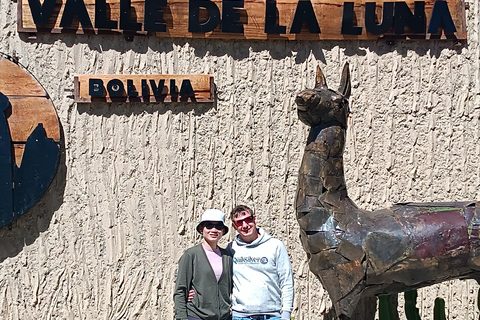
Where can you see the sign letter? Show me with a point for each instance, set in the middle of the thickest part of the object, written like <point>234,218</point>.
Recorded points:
<point>231,17</point>
<point>153,15</point>
<point>186,91</point>
<point>72,8</point>
<point>404,17</point>
<point>95,88</point>
<point>101,20</point>
<point>441,17</point>
<point>115,88</point>
<point>348,20</point>
<point>371,21</point>
<point>194,24</point>
<point>41,13</point>
<point>271,26</point>
<point>157,90</point>
<point>125,16</point>
<point>131,90</point>
<point>304,14</point>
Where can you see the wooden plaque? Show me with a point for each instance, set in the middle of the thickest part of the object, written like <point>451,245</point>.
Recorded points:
<point>30,105</point>
<point>144,88</point>
<point>29,141</point>
<point>253,19</point>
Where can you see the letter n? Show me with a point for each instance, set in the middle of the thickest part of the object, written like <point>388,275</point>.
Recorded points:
<point>404,17</point>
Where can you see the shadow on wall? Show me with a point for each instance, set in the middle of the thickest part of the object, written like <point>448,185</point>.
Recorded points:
<point>106,110</point>
<point>27,228</point>
<point>240,49</point>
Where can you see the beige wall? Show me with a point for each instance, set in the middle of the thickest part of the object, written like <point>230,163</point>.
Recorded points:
<point>134,179</point>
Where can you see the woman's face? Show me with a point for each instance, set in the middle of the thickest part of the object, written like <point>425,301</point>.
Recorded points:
<point>210,232</point>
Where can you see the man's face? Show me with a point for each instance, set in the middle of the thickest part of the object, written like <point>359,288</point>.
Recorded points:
<point>246,226</point>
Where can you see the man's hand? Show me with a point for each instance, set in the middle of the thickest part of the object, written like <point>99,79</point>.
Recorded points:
<point>191,294</point>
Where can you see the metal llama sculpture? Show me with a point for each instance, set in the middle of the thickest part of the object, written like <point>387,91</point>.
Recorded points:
<point>357,253</point>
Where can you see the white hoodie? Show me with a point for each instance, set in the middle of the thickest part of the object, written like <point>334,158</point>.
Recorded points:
<point>262,277</point>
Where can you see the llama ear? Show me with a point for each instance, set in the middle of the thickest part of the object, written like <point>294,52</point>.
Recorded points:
<point>320,82</point>
<point>345,86</point>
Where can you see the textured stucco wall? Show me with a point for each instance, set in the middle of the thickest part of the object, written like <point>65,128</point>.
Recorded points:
<point>134,179</point>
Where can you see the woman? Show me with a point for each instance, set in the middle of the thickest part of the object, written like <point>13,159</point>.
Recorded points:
<point>207,269</point>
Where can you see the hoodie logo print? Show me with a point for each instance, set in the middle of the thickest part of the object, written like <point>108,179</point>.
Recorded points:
<point>250,260</point>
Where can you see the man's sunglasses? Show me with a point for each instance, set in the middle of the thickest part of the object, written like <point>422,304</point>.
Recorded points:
<point>247,220</point>
<point>210,225</point>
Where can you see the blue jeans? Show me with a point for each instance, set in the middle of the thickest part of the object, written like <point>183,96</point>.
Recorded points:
<point>248,318</point>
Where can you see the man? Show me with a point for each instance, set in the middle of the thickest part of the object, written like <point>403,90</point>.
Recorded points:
<point>262,274</point>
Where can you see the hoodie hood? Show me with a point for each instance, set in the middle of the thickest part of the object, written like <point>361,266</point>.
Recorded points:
<point>263,237</point>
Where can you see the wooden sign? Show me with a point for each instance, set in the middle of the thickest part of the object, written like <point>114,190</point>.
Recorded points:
<point>29,141</point>
<point>238,19</point>
<point>144,88</point>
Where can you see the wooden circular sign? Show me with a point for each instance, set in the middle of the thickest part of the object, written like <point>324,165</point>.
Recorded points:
<point>29,141</point>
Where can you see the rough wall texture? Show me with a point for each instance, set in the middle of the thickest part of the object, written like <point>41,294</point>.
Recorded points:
<point>134,179</point>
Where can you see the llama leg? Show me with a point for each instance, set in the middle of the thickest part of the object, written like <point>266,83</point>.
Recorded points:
<point>343,279</point>
<point>365,310</point>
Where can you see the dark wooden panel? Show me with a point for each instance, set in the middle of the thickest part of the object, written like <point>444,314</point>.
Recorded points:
<point>6,172</point>
<point>38,168</point>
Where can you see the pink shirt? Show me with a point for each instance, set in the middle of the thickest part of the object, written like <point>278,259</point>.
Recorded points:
<point>215,258</point>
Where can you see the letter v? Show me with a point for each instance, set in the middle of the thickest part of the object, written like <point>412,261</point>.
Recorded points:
<point>41,13</point>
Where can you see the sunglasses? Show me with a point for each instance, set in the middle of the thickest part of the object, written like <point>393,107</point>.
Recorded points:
<point>247,220</point>
<point>210,225</point>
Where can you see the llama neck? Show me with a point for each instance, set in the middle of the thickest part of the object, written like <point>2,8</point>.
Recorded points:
<point>321,182</point>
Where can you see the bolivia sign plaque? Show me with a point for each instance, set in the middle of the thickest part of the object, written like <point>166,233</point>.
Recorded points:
<point>144,88</point>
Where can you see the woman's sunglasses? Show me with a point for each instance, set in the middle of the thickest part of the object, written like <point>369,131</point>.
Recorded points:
<point>247,220</point>
<point>210,225</point>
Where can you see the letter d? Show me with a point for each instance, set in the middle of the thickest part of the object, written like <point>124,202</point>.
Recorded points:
<point>194,24</point>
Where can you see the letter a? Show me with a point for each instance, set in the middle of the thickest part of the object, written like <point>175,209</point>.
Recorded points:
<point>441,17</point>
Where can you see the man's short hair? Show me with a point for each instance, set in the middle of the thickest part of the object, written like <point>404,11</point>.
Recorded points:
<point>239,209</point>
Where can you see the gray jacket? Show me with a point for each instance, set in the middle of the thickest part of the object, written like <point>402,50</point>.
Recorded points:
<point>212,298</point>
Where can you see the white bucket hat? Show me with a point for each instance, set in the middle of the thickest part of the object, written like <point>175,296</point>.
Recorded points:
<point>213,215</point>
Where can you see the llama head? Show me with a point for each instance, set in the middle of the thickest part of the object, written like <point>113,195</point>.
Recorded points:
<point>321,105</point>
